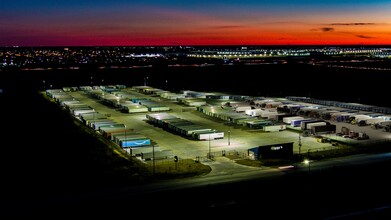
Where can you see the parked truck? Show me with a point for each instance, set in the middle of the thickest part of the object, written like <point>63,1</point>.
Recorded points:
<point>382,124</point>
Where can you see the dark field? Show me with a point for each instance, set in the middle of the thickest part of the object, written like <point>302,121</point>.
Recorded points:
<point>275,80</point>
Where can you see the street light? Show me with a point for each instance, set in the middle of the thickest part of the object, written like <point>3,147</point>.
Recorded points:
<point>308,162</point>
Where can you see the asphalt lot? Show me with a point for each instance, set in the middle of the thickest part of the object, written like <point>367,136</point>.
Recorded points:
<point>241,138</point>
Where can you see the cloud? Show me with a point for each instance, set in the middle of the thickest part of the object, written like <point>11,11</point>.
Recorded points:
<point>324,29</point>
<point>284,22</point>
<point>363,36</point>
<point>327,29</point>
<point>228,26</point>
<point>355,23</point>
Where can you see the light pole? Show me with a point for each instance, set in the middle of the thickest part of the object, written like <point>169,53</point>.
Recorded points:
<point>209,156</point>
<point>145,81</point>
<point>299,145</point>
<point>153,159</point>
<point>125,136</point>
<point>229,135</point>
<point>93,119</point>
<point>308,162</point>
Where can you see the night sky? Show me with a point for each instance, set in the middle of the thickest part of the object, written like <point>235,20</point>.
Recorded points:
<point>203,22</point>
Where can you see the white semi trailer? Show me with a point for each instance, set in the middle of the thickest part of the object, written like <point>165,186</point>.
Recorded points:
<point>209,135</point>
<point>310,125</point>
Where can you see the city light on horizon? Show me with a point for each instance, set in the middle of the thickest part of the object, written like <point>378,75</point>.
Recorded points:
<point>120,23</point>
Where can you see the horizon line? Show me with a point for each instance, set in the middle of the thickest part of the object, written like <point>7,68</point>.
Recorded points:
<point>211,45</point>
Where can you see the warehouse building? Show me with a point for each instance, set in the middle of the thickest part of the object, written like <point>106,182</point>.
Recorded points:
<point>272,151</point>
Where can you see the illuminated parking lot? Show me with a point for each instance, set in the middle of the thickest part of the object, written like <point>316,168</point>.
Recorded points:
<point>236,138</point>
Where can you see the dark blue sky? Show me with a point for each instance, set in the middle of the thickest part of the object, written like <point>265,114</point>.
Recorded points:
<point>172,22</point>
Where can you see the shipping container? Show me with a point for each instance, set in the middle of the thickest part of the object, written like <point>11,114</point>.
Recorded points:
<point>188,130</point>
<point>157,155</point>
<point>136,142</point>
<point>323,129</point>
<point>269,128</point>
<point>303,124</point>
<point>258,124</point>
<point>118,137</point>
<point>296,123</point>
<point>97,125</point>
<point>288,120</point>
<point>310,125</point>
<point>208,135</point>
<point>242,108</point>
<point>108,131</point>
<point>137,151</point>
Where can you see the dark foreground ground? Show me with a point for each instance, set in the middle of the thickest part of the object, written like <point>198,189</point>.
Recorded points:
<point>46,165</point>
